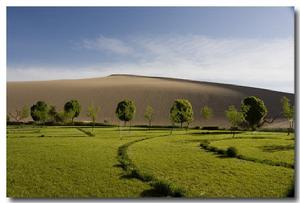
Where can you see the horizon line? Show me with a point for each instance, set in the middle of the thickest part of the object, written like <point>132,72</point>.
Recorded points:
<point>149,76</point>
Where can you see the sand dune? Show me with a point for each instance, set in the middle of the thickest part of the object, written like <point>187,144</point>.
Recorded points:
<point>158,92</point>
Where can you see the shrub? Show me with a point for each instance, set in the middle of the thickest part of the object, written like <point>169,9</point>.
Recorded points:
<point>213,149</point>
<point>162,187</point>
<point>145,177</point>
<point>168,189</point>
<point>177,192</point>
<point>221,151</point>
<point>135,173</point>
<point>231,152</point>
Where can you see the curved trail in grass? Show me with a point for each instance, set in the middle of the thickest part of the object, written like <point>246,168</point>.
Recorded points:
<point>220,151</point>
<point>160,187</point>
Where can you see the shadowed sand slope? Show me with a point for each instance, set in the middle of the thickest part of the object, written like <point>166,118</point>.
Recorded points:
<point>158,92</point>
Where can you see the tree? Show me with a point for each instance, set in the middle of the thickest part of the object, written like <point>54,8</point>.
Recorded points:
<point>72,108</point>
<point>20,115</point>
<point>25,112</point>
<point>125,110</point>
<point>254,111</point>
<point>92,112</point>
<point>288,112</point>
<point>181,112</point>
<point>234,117</point>
<point>60,117</point>
<point>52,114</point>
<point>206,112</point>
<point>39,111</point>
<point>149,114</point>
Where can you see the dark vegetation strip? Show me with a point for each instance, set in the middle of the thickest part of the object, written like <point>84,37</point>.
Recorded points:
<point>161,187</point>
<point>75,123</point>
<point>88,133</point>
<point>205,145</point>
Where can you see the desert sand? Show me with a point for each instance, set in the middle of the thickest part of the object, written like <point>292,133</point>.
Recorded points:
<point>160,93</point>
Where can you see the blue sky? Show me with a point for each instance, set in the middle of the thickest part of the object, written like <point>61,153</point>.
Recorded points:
<point>244,46</point>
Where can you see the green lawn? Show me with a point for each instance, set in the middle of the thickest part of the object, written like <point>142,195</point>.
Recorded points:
<point>178,159</point>
<point>65,162</point>
<point>62,166</point>
<point>280,149</point>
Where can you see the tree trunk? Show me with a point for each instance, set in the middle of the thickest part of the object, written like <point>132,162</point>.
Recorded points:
<point>290,127</point>
<point>181,125</point>
<point>120,130</point>
<point>124,125</point>
<point>93,126</point>
<point>186,129</point>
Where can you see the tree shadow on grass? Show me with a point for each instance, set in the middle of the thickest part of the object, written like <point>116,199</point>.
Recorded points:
<point>291,191</point>
<point>222,156</point>
<point>152,193</point>
<point>276,148</point>
<point>215,133</point>
<point>141,129</point>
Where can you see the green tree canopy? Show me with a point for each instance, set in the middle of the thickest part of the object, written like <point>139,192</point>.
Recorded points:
<point>206,112</point>
<point>149,114</point>
<point>254,111</point>
<point>72,108</point>
<point>181,112</point>
<point>52,113</point>
<point>288,111</point>
<point>125,110</point>
<point>234,116</point>
<point>92,112</point>
<point>39,111</point>
<point>287,108</point>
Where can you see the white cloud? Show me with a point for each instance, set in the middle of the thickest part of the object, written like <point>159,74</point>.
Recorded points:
<point>106,44</point>
<point>264,63</point>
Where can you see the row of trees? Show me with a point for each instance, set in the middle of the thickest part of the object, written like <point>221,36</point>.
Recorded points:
<point>41,112</point>
<point>251,114</point>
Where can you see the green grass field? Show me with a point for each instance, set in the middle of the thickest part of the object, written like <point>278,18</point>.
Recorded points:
<point>66,162</point>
